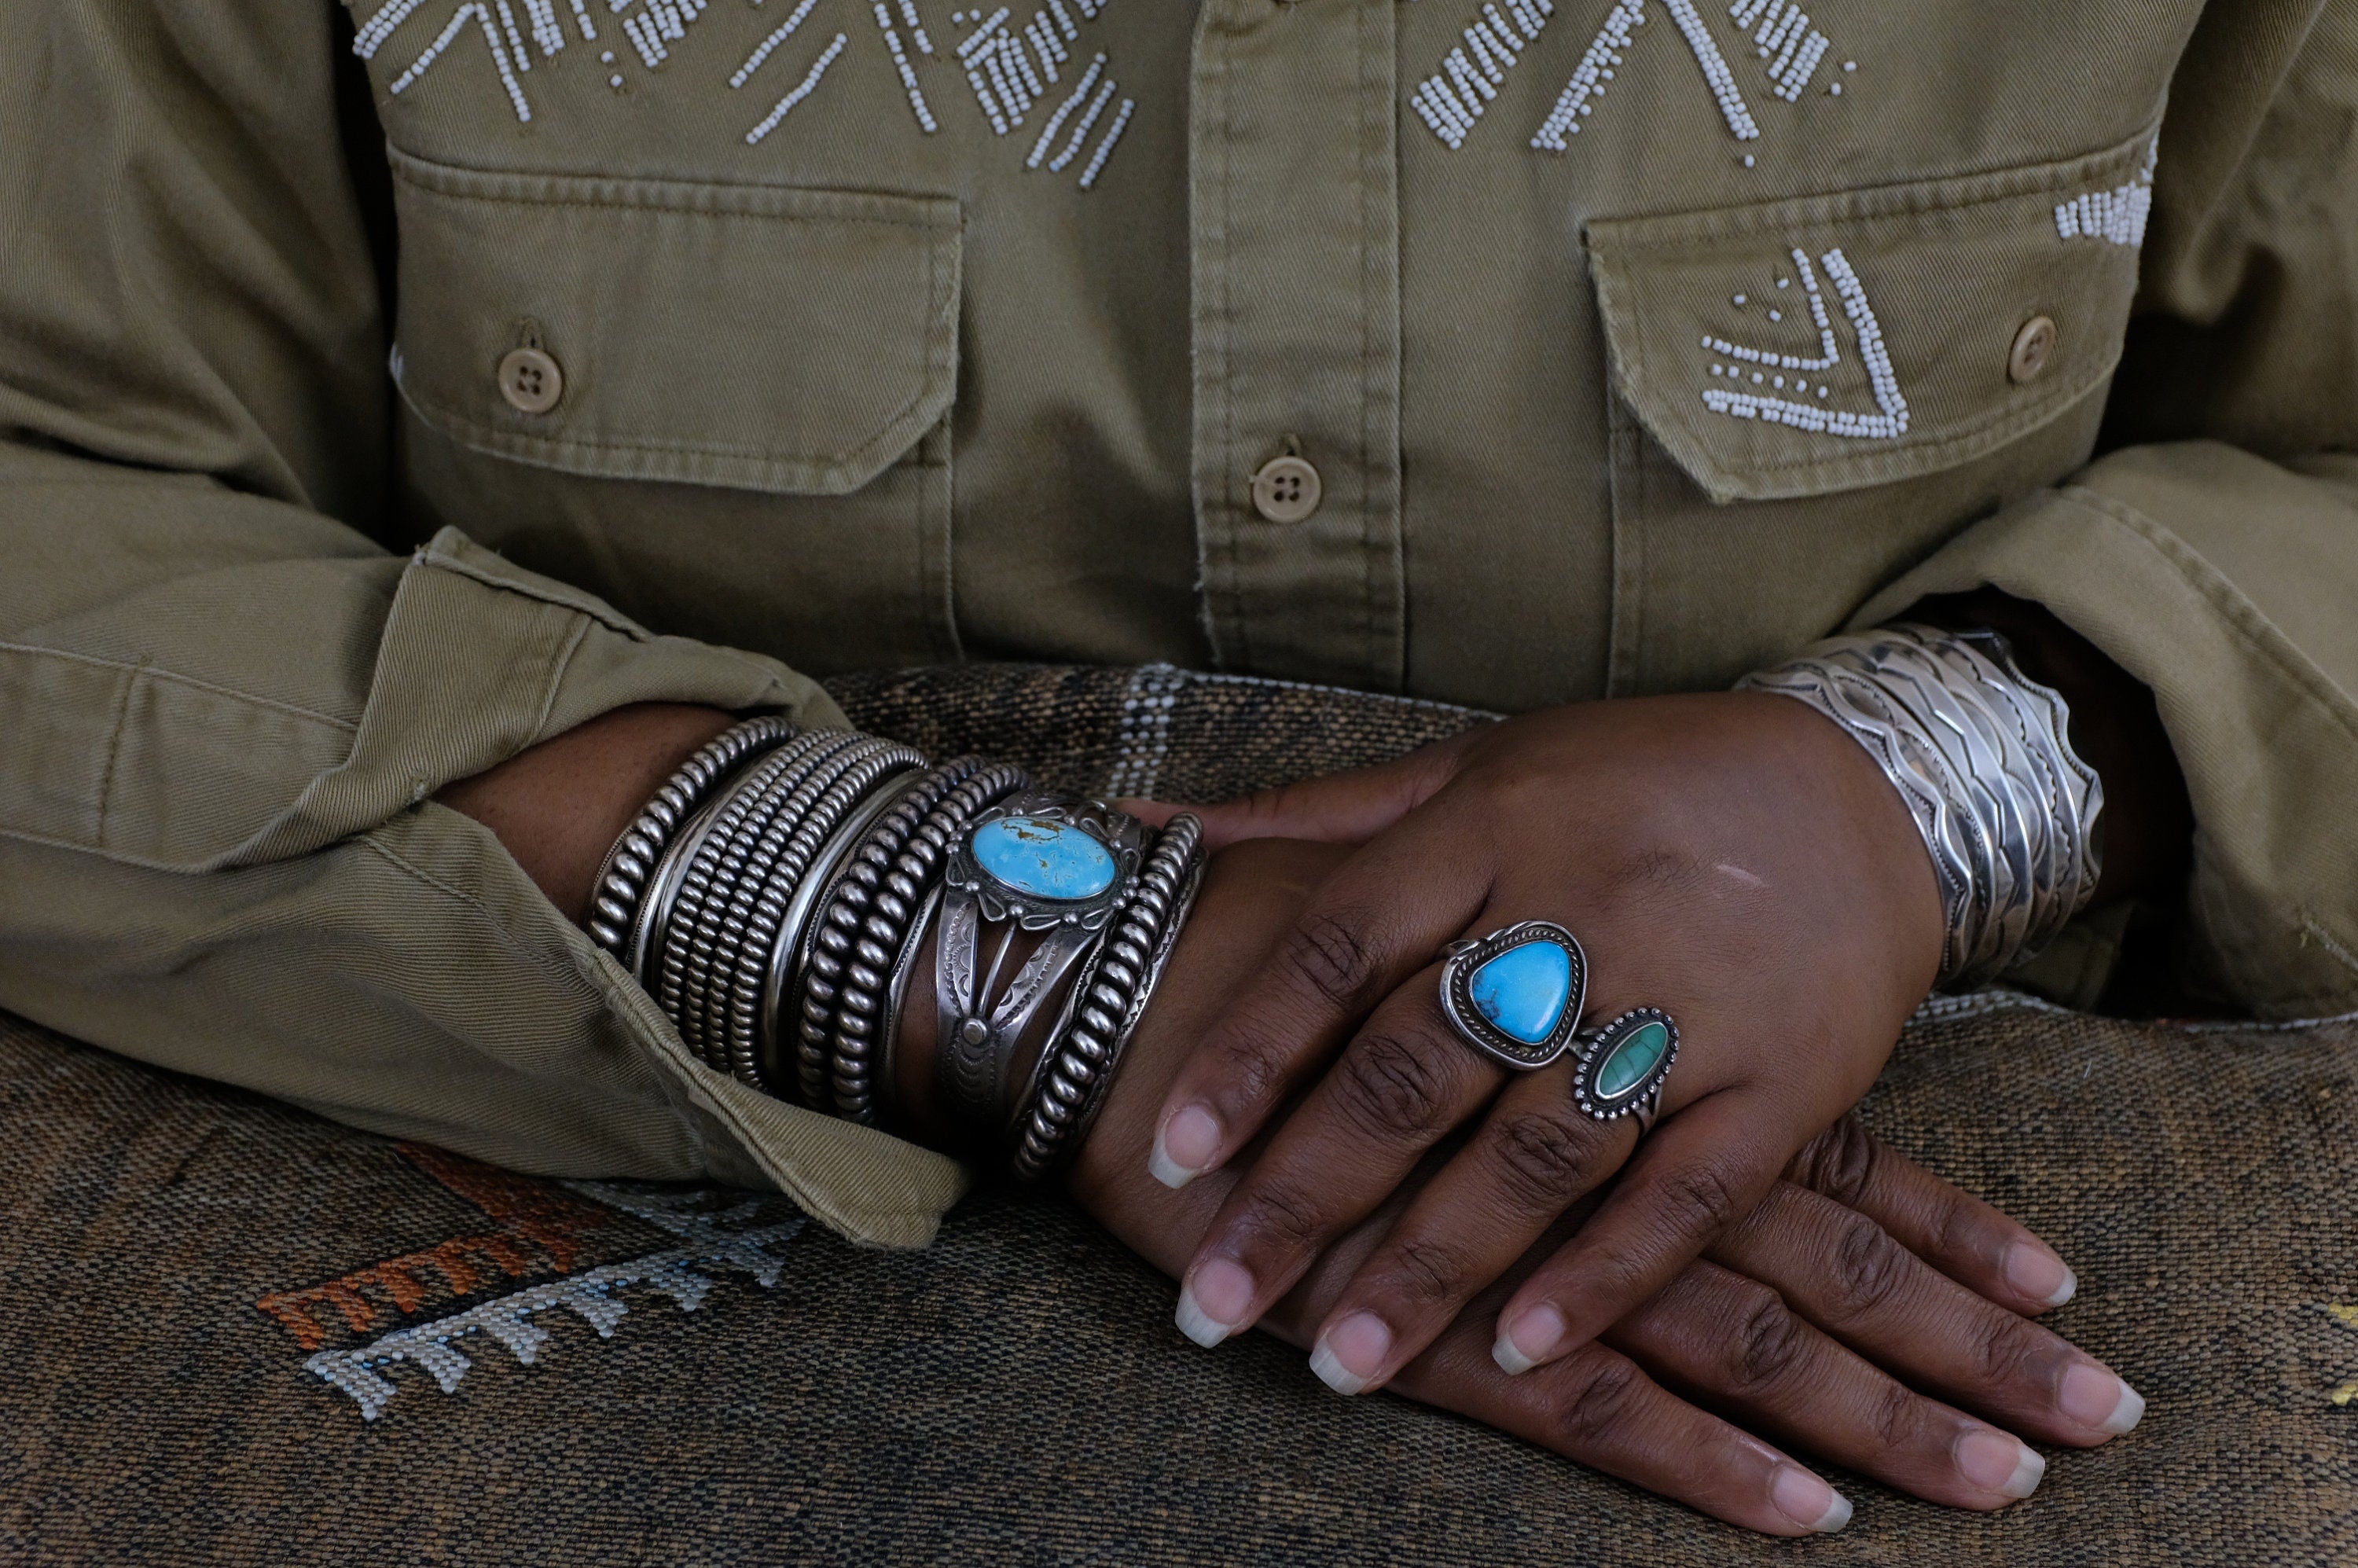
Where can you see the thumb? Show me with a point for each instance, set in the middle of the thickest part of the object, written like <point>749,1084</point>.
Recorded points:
<point>1336,808</point>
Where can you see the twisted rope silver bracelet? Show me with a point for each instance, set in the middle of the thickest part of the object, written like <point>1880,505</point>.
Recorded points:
<point>1981,754</point>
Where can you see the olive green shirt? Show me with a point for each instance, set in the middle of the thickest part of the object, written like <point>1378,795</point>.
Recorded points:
<point>380,394</point>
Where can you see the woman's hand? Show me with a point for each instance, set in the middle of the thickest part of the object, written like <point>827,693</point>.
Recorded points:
<point>1859,1281</point>
<point>1734,860</point>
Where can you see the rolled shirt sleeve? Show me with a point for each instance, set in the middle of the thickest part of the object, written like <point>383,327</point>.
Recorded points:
<point>226,704</point>
<point>2214,553</point>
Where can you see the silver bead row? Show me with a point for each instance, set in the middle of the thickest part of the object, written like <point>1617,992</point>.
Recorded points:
<point>620,892</point>
<point>1107,1002</point>
<point>1981,753</point>
<point>857,944</point>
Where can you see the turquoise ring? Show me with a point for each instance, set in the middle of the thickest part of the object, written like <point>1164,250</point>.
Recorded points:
<point>1517,995</point>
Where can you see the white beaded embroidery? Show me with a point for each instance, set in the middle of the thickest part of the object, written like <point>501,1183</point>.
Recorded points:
<point>473,10</point>
<point>2117,216</point>
<point>785,105</point>
<point>1105,148</point>
<point>917,104</point>
<point>763,50</point>
<point>1452,99</point>
<point>1716,72</point>
<point>1608,50</point>
<point>1786,39</point>
<point>1889,425</point>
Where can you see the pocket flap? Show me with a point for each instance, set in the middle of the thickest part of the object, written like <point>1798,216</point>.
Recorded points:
<point>751,336</point>
<point>1832,342</point>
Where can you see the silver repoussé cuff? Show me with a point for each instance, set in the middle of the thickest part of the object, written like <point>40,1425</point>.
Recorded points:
<point>1982,756</point>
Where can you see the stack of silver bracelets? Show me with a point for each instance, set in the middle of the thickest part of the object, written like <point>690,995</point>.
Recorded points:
<point>1983,757</point>
<point>775,895</point>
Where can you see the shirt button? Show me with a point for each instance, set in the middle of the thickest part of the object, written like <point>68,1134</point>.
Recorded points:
<point>2034,350</point>
<point>531,382</point>
<point>1287,489</point>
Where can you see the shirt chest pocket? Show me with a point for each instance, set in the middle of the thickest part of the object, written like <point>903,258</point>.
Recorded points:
<point>1815,393</point>
<point>723,406</point>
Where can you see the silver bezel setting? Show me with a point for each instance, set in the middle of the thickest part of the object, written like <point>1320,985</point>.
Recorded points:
<point>1121,835</point>
<point>1458,998</point>
<point>1641,1099</point>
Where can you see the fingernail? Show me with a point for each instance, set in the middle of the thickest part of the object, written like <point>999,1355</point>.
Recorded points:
<point>2093,1396</point>
<point>1526,1341</point>
<point>1998,1462</point>
<point>1188,1140</point>
<point>2040,1274</point>
<point>1350,1354</point>
<point>1806,1500</point>
<point>1214,1301</point>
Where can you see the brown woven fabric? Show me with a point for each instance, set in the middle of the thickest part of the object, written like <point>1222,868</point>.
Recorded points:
<point>192,1279</point>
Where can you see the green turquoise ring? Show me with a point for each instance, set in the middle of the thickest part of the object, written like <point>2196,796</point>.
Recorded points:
<point>1623,1063</point>
<point>1516,996</point>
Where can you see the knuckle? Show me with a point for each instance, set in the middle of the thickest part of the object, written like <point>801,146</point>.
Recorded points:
<point>1898,1418</point>
<point>1596,1410</point>
<point>1392,1089</point>
<point>1702,1201</point>
<point>1428,1270</point>
<point>1328,955</point>
<point>1255,1068</point>
<point>1544,1161</point>
<point>1838,1162</point>
<point>1869,1268</point>
<point>1768,1344</point>
<point>1277,1216</point>
<point>2006,1349</point>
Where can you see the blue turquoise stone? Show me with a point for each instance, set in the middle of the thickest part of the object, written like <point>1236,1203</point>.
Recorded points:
<point>1632,1059</point>
<point>1047,859</point>
<point>1525,989</point>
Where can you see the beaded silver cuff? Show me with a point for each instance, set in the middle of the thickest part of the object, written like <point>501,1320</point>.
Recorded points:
<point>1981,753</point>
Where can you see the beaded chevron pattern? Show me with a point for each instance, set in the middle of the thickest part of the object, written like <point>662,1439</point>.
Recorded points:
<point>1781,388</point>
<point>1016,71</point>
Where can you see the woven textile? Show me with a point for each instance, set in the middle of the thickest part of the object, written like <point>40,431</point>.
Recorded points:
<point>237,1333</point>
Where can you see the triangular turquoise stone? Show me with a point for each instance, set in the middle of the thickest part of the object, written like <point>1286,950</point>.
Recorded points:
<point>1525,989</point>
<point>1632,1059</point>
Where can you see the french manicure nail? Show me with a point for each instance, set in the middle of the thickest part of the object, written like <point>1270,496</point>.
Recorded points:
<point>2040,1274</point>
<point>1525,1343</point>
<point>1214,1302</point>
<point>1806,1500</point>
<point>1998,1462</point>
<point>1349,1355</point>
<point>2093,1396</point>
<point>1188,1139</point>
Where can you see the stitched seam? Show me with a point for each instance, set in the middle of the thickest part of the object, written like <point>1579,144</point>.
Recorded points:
<point>149,670</point>
<point>438,560</point>
<point>114,748</point>
<point>2239,613</point>
<point>492,437</point>
<point>1903,199</point>
<point>559,667</point>
<point>2317,933</point>
<point>407,167</point>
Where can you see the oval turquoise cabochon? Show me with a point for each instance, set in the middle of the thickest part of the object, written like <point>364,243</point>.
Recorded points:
<point>1047,859</point>
<point>1524,989</point>
<point>1633,1059</point>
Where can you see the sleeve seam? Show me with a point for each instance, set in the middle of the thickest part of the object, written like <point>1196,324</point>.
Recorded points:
<point>143,667</point>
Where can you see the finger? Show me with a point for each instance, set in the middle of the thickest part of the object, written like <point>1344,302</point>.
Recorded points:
<point>1852,1278</point>
<point>1702,1171</point>
<point>1403,1083</point>
<point>1535,1156</point>
<point>1599,1408</point>
<point>1957,1233</point>
<point>1334,809</point>
<point>1735,1344</point>
<point>1379,918</point>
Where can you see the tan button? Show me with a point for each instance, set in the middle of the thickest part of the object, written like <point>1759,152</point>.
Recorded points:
<point>2034,350</point>
<point>531,382</point>
<point>1287,489</point>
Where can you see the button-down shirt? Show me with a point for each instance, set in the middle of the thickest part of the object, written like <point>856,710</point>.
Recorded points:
<point>379,394</point>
